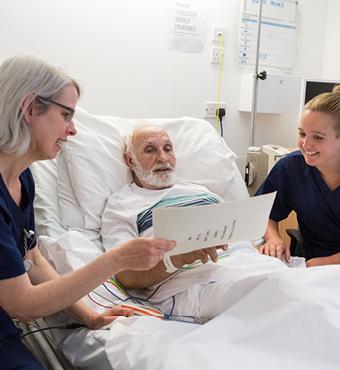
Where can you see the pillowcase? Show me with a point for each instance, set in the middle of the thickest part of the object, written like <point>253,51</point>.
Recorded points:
<point>91,165</point>
<point>46,202</point>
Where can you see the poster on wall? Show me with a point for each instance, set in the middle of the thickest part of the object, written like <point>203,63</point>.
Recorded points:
<point>278,39</point>
<point>187,25</point>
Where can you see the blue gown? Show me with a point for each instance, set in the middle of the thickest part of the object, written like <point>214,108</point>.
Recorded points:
<point>301,188</point>
<point>13,221</point>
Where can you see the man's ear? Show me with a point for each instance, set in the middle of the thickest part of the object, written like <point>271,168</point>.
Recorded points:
<point>128,160</point>
<point>27,107</point>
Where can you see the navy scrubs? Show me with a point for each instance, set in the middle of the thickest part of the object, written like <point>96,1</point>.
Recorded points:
<point>13,220</point>
<point>301,188</point>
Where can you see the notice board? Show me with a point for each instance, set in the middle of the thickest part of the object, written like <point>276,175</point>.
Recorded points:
<point>278,39</point>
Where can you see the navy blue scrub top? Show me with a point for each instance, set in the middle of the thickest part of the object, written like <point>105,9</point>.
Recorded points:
<point>13,220</point>
<point>301,188</point>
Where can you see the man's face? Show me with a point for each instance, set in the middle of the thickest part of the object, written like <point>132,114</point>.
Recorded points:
<point>153,160</point>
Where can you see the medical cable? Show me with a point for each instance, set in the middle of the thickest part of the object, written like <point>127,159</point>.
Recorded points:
<point>138,309</point>
<point>161,284</point>
<point>97,303</point>
<point>126,294</point>
<point>117,284</point>
<point>67,326</point>
<point>185,319</point>
<point>148,310</point>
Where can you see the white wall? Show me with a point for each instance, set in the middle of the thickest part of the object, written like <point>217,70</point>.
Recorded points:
<point>119,52</point>
<point>331,57</point>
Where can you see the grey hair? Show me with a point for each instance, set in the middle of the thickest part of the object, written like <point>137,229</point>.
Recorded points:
<point>140,126</point>
<point>128,144</point>
<point>25,77</point>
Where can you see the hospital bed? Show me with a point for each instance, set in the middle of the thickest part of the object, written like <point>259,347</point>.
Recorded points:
<point>278,317</point>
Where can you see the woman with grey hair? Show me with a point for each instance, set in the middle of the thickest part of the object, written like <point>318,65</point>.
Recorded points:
<point>37,104</point>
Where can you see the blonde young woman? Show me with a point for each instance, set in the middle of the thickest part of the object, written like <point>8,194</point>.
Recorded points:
<point>37,103</point>
<point>308,182</point>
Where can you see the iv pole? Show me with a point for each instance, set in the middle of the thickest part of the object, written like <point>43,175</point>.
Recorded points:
<point>250,174</point>
<point>256,76</point>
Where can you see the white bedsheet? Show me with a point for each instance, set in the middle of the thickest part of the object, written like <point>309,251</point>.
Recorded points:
<point>289,319</point>
<point>278,318</point>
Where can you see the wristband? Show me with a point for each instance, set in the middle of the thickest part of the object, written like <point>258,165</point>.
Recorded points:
<point>169,266</point>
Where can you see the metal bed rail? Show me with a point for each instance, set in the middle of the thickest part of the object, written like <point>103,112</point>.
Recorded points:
<point>43,347</point>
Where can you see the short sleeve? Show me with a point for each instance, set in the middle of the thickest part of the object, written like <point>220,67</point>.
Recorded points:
<point>118,224</point>
<point>278,180</point>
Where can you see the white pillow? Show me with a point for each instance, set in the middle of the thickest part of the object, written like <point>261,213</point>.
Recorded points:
<point>91,166</point>
<point>46,203</point>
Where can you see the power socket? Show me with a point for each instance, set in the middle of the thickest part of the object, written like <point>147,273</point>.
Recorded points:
<point>215,55</point>
<point>218,30</point>
<point>210,108</point>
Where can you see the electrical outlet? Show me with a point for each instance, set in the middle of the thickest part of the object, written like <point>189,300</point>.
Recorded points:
<point>215,55</point>
<point>218,30</point>
<point>210,108</point>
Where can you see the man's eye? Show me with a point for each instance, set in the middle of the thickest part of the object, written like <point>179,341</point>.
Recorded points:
<point>148,150</point>
<point>319,138</point>
<point>302,134</point>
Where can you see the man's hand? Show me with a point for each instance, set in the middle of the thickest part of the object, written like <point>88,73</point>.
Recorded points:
<point>97,321</point>
<point>212,252</point>
<point>276,247</point>
<point>200,254</point>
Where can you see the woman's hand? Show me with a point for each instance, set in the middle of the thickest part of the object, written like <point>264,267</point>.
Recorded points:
<point>141,253</point>
<point>276,247</point>
<point>98,320</point>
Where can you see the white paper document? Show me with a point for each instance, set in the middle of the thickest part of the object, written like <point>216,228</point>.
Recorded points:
<point>212,225</point>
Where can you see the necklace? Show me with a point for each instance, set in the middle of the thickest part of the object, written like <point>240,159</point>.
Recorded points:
<point>28,236</point>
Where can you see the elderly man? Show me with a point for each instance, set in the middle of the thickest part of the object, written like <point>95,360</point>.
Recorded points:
<point>177,290</point>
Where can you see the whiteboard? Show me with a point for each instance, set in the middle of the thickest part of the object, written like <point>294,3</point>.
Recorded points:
<point>284,10</point>
<point>278,42</point>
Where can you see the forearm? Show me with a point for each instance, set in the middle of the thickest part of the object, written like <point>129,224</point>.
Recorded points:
<point>272,230</point>
<point>335,259</point>
<point>44,272</point>
<point>143,279</point>
<point>320,261</point>
<point>52,293</point>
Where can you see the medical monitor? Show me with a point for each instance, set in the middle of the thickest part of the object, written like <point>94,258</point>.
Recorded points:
<point>312,88</point>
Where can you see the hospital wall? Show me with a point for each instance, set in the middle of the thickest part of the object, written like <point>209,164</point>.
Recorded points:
<point>119,51</point>
<point>331,56</point>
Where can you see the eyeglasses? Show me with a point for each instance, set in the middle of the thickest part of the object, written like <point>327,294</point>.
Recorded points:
<point>68,118</point>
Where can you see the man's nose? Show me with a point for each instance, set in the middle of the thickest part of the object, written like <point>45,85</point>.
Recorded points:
<point>162,156</point>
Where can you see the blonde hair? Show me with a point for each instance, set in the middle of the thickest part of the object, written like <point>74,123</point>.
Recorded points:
<point>327,103</point>
<point>23,76</point>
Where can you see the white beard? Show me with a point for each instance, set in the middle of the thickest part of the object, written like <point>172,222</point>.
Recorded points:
<point>156,179</point>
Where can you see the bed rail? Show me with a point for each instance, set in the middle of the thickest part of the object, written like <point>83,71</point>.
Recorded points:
<point>43,346</point>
